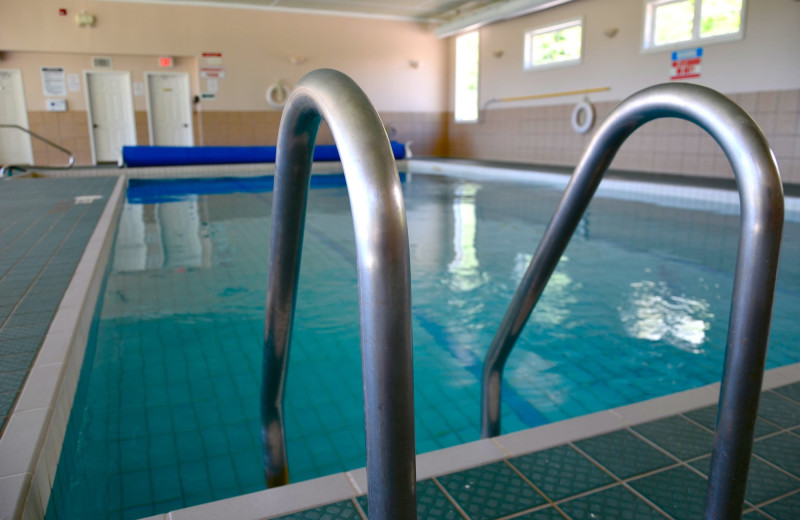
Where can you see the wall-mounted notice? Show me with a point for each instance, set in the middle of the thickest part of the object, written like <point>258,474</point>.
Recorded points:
<point>73,83</point>
<point>54,82</point>
<point>138,88</point>
<point>211,65</point>
<point>686,63</point>
<point>212,85</point>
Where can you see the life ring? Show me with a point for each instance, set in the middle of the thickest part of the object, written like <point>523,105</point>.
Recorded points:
<point>583,117</point>
<point>277,94</point>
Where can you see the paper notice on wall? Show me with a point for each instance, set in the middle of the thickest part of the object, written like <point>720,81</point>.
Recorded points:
<point>212,85</point>
<point>73,83</point>
<point>686,63</point>
<point>212,59</point>
<point>54,82</point>
<point>138,88</point>
<point>210,64</point>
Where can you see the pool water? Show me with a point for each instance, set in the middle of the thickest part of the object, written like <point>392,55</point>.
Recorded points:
<point>167,410</point>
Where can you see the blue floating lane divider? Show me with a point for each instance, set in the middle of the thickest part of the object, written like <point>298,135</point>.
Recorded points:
<point>137,156</point>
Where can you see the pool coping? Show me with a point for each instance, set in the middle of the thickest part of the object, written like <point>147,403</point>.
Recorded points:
<point>31,442</point>
<point>351,484</point>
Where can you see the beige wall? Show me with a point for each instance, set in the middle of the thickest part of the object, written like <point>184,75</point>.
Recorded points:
<point>760,72</point>
<point>256,47</point>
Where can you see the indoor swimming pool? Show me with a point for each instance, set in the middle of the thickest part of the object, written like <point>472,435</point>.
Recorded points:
<point>166,414</point>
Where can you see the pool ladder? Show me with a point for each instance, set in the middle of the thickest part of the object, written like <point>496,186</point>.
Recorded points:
<point>384,280</point>
<point>9,168</point>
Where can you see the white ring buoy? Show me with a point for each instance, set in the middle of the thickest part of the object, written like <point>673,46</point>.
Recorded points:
<point>277,94</point>
<point>582,117</point>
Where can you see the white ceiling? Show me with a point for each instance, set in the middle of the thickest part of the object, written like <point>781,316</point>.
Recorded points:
<point>420,10</point>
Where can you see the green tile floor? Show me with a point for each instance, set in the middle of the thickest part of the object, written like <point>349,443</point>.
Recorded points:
<point>43,235</point>
<point>654,470</point>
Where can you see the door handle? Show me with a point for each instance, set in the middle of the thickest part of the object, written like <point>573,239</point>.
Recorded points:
<point>95,125</point>
<point>186,125</point>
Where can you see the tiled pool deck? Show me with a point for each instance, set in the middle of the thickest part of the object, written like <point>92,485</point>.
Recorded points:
<point>646,460</point>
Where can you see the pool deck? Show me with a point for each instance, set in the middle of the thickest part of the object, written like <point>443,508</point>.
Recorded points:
<point>647,460</point>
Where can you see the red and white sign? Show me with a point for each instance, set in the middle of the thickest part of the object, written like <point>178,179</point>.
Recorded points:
<point>687,63</point>
<point>212,72</point>
<point>211,65</point>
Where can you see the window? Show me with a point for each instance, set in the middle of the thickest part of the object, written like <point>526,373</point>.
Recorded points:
<point>466,98</point>
<point>554,45</point>
<point>669,23</point>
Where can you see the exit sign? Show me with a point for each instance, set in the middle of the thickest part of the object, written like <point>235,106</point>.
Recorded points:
<point>166,61</point>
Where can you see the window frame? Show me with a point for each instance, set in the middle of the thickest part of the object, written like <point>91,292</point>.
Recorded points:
<point>648,28</point>
<point>456,96</point>
<point>527,58</point>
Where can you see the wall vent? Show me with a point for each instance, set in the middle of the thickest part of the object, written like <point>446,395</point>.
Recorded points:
<point>101,62</point>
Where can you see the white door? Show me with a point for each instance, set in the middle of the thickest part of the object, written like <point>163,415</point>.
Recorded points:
<point>15,145</point>
<point>169,109</point>
<point>110,110</point>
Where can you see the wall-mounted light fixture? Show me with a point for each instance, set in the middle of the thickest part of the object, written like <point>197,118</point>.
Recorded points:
<point>84,19</point>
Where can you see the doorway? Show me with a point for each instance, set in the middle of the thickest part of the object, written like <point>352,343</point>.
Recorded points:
<point>109,105</point>
<point>169,109</point>
<point>15,145</point>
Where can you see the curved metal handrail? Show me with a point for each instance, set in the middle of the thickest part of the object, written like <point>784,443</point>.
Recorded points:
<point>384,285</point>
<point>761,197</point>
<point>9,167</point>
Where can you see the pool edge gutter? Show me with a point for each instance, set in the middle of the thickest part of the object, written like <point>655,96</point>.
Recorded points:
<point>30,446</point>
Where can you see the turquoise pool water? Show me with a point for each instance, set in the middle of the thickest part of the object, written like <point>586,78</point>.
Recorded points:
<point>166,414</point>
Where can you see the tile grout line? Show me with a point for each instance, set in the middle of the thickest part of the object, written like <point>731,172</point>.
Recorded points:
<point>528,481</point>
<point>450,498</point>
<point>359,510</point>
<point>795,491</point>
<point>624,483</point>
<point>353,483</point>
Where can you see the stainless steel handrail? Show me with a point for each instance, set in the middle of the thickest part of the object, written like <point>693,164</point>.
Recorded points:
<point>9,167</point>
<point>761,197</point>
<point>384,285</point>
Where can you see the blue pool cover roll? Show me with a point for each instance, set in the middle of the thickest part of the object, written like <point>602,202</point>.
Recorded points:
<point>135,156</point>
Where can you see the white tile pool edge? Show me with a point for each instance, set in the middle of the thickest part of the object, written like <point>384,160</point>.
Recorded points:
<point>31,443</point>
<point>653,192</point>
<point>351,484</point>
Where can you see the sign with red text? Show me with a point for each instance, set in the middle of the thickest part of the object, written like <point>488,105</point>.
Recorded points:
<point>211,65</point>
<point>687,63</point>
